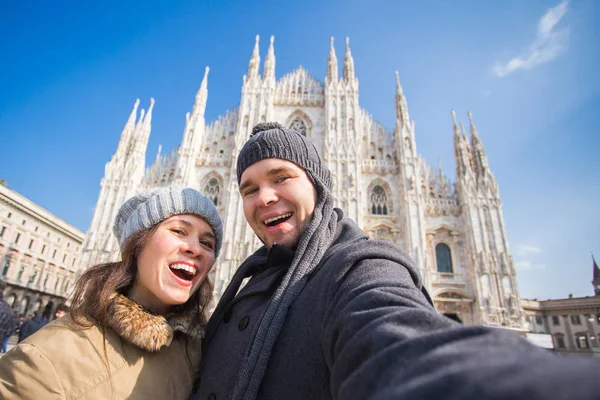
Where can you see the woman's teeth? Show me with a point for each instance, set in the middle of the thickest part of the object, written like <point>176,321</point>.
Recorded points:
<point>188,269</point>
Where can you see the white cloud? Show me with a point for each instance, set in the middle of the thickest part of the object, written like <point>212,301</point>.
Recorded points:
<point>552,17</point>
<point>548,44</point>
<point>525,264</point>
<point>526,249</point>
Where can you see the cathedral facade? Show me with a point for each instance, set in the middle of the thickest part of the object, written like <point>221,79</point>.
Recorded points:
<point>454,232</point>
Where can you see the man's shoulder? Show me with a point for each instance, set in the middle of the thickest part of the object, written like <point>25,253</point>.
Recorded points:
<point>8,320</point>
<point>5,309</point>
<point>34,323</point>
<point>352,243</point>
<point>4,305</point>
<point>358,256</point>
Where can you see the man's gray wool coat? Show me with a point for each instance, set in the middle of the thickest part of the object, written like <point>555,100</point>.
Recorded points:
<point>363,328</point>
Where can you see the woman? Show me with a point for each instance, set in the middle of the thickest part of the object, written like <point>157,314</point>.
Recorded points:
<point>134,326</point>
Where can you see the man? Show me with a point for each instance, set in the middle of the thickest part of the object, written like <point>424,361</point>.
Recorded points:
<point>8,319</point>
<point>32,326</point>
<point>329,314</point>
<point>61,310</point>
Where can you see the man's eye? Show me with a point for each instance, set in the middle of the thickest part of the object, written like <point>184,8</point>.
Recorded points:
<point>282,179</point>
<point>249,192</point>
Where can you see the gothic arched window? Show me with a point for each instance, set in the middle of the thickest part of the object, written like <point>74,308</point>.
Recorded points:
<point>299,126</point>
<point>443,258</point>
<point>379,201</point>
<point>212,190</point>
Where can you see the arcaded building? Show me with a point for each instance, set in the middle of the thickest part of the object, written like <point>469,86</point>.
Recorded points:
<point>39,254</point>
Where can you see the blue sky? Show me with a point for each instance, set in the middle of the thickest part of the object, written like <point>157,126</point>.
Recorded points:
<point>528,70</point>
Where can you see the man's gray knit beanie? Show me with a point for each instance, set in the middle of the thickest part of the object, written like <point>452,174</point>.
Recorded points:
<point>152,206</point>
<point>271,140</point>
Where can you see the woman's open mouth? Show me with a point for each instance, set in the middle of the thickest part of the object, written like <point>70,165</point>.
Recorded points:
<point>183,271</point>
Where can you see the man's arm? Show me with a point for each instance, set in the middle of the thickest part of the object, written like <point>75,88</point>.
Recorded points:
<point>383,340</point>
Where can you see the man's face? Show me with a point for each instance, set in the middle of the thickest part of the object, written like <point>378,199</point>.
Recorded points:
<point>279,200</point>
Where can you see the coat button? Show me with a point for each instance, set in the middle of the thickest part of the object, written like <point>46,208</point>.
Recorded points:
<point>244,322</point>
<point>211,397</point>
<point>228,315</point>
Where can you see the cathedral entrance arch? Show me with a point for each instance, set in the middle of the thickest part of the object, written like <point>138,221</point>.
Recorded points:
<point>454,304</point>
<point>383,231</point>
<point>453,317</point>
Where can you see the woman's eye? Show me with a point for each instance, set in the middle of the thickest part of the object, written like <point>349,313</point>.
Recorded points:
<point>208,244</point>
<point>177,231</point>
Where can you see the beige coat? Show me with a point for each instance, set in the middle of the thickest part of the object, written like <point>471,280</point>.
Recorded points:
<point>147,359</point>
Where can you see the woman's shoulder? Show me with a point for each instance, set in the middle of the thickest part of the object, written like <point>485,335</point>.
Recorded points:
<point>62,357</point>
<point>64,339</point>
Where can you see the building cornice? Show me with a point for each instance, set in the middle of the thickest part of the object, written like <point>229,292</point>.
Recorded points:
<point>570,304</point>
<point>22,203</point>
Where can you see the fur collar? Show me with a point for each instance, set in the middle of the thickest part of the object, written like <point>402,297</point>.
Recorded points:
<point>146,330</point>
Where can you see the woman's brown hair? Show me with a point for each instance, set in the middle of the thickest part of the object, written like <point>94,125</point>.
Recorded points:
<point>95,288</point>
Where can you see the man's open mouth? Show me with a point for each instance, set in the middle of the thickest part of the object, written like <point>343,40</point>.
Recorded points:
<point>278,219</point>
<point>183,271</point>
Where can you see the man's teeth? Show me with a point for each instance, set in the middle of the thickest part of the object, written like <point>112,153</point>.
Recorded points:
<point>187,268</point>
<point>273,219</point>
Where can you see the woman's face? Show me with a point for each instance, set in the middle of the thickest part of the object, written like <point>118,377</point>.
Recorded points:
<point>174,262</point>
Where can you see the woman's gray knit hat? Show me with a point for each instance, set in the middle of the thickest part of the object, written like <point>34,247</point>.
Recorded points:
<point>271,140</point>
<point>152,206</point>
